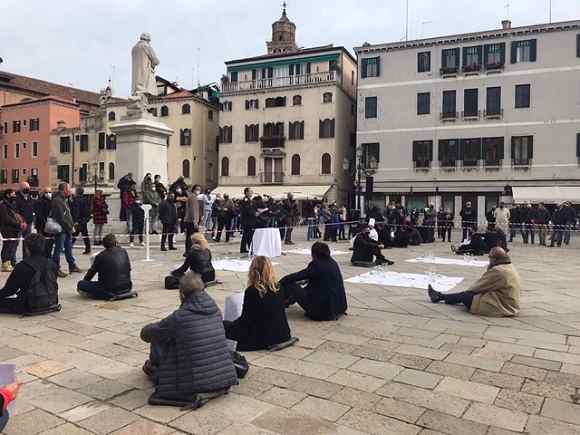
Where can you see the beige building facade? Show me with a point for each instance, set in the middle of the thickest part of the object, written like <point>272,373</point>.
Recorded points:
<point>287,120</point>
<point>472,117</point>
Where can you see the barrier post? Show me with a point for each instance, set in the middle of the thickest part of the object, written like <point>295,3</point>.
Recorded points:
<point>147,209</point>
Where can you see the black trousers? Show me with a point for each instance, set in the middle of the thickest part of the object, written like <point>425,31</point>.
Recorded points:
<point>293,292</point>
<point>223,222</point>
<point>247,235</point>
<point>286,233</point>
<point>11,305</point>
<point>168,234</point>
<point>9,248</point>
<point>190,229</point>
<point>465,298</point>
<point>81,228</point>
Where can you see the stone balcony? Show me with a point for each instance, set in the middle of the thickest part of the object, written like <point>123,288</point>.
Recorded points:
<point>249,86</point>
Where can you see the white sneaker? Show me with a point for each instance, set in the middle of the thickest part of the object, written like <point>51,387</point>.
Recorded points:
<point>131,245</point>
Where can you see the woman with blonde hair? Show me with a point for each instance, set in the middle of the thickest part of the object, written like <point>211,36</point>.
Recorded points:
<point>198,259</point>
<point>263,322</point>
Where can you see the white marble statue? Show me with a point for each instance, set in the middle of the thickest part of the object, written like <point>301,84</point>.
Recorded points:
<point>144,62</point>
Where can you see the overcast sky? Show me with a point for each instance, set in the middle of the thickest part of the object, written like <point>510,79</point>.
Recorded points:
<point>84,42</point>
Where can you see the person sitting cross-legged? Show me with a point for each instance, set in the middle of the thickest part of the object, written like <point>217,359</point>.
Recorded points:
<point>366,252</point>
<point>33,281</point>
<point>495,294</point>
<point>114,272</point>
<point>263,322</point>
<point>198,259</point>
<point>189,354</point>
<point>324,297</point>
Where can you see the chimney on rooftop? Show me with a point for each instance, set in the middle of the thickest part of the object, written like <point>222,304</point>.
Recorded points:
<point>506,24</point>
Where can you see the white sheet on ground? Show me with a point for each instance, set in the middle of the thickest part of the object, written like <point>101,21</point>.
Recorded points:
<point>306,251</point>
<point>440,283</point>
<point>468,262</point>
<point>233,264</point>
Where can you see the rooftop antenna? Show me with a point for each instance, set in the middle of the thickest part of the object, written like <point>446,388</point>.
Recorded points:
<point>407,23</point>
<point>111,78</point>
<point>507,7</point>
<point>550,17</point>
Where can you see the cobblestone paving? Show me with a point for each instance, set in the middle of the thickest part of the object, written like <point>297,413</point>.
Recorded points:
<point>396,364</point>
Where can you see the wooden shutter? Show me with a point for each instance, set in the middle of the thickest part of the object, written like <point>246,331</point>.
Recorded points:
<point>247,132</point>
<point>578,45</point>
<point>514,52</point>
<point>513,148</point>
<point>465,55</point>
<point>247,104</point>
<point>578,144</point>
<point>530,147</point>
<point>502,53</point>
<point>364,67</point>
<point>332,128</point>
<point>378,66</point>
<point>533,49</point>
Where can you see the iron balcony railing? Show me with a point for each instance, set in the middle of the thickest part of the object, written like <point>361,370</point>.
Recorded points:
<point>279,82</point>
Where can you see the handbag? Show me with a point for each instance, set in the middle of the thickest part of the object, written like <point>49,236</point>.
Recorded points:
<point>171,282</point>
<point>52,227</point>
<point>241,364</point>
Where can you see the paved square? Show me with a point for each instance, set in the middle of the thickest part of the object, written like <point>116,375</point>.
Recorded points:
<point>397,364</point>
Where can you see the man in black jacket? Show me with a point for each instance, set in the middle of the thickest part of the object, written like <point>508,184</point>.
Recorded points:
<point>168,218</point>
<point>324,297</point>
<point>33,281</point>
<point>290,216</point>
<point>25,206</point>
<point>189,354</point>
<point>81,214</point>
<point>41,212</point>
<point>365,250</point>
<point>10,230</point>
<point>60,212</point>
<point>542,221</point>
<point>114,269</point>
<point>248,219</point>
<point>468,220</point>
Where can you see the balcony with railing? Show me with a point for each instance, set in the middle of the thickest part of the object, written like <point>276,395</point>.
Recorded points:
<point>470,115</point>
<point>272,177</point>
<point>279,82</point>
<point>448,116</point>
<point>493,114</point>
<point>273,141</point>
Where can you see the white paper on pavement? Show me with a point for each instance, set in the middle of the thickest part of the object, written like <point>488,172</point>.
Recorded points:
<point>233,264</point>
<point>306,251</point>
<point>440,283</point>
<point>469,262</point>
<point>233,310</point>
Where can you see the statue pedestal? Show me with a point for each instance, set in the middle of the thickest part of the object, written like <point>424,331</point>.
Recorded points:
<point>141,145</point>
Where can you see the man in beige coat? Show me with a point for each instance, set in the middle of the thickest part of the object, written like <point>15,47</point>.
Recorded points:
<point>495,294</point>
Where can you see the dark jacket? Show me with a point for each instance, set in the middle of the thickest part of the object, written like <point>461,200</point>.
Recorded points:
<point>542,216</point>
<point>196,358</point>
<point>24,207</point>
<point>9,225</point>
<point>364,249</point>
<point>41,211</point>
<point>325,289</point>
<point>290,212</point>
<point>167,212</point>
<point>60,212</point>
<point>199,261</point>
<point>80,209</point>
<point>468,217</point>
<point>247,212</point>
<point>569,215</point>
<point>114,269</point>
<point>263,322</point>
<point>19,283</point>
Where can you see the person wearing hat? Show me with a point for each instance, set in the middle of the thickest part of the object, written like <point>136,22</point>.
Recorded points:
<point>366,251</point>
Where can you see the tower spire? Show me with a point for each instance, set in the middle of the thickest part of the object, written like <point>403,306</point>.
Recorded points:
<point>284,9</point>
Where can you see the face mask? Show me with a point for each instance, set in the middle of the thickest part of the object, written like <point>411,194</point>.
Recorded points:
<point>48,195</point>
<point>197,192</point>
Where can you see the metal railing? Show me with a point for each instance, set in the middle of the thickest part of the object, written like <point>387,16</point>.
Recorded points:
<point>279,82</point>
<point>271,177</point>
<point>448,116</point>
<point>471,115</point>
<point>494,114</point>
<point>273,141</point>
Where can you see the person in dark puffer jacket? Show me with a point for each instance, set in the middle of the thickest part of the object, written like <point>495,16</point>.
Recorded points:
<point>198,259</point>
<point>189,355</point>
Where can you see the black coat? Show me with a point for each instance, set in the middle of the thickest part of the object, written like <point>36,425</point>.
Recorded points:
<point>247,212</point>
<point>41,212</point>
<point>60,212</point>
<point>196,358</point>
<point>263,322</point>
<point>364,249</point>
<point>325,289</point>
<point>167,212</point>
<point>9,226</point>
<point>24,207</point>
<point>114,269</point>
<point>199,261</point>
<point>80,209</point>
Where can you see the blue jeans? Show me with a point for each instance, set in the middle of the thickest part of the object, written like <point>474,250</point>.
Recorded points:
<point>63,241</point>
<point>311,228</point>
<point>94,289</point>
<point>3,420</point>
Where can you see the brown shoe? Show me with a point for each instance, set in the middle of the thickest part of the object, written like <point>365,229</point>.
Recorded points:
<point>74,269</point>
<point>61,274</point>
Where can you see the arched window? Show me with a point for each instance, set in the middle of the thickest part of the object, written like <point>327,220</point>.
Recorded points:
<point>325,164</point>
<point>327,97</point>
<point>112,116</point>
<point>164,111</point>
<point>185,169</point>
<point>251,166</point>
<point>185,109</point>
<point>297,100</point>
<point>295,164</point>
<point>326,128</point>
<point>111,171</point>
<point>225,167</point>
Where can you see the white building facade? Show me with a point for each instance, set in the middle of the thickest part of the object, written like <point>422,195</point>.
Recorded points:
<point>472,117</point>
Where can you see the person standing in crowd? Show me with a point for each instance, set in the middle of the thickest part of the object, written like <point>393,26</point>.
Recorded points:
<point>557,227</point>
<point>207,200</point>
<point>440,224</point>
<point>542,220</point>
<point>468,220</point>
<point>10,229</point>
<point>128,197</point>
<point>248,220</point>
<point>159,187</point>
<point>323,297</point>
<point>124,185</point>
<point>446,224</point>
<point>343,216</point>
<point>490,216</point>
<point>81,214</point>
<point>61,213</point>
<point>193,215</point>
<point>113,268</point>
<point>263,321</point>
<point>569,217</point>
<point>100,213</point>
<point>150,197</point>
<point>429,224</point>
<point>290,216</point>
<point>41,211</point>
<point>24,206</point>
<point>225,213</point>
<point>168,218</point>
<point>138,217</point>
<point>502,217</point>
<point>515,221</point>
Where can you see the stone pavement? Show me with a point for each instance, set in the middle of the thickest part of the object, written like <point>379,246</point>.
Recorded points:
<point>396,364</point>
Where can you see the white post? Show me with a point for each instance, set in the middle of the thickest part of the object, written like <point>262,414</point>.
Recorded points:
<point>146,209</point>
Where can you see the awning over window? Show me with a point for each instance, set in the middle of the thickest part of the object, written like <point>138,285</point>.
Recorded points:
<point>276,192</point>
<point>547,194</point>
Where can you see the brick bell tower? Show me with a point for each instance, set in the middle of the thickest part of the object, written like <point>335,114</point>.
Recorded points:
<point>283,35</point>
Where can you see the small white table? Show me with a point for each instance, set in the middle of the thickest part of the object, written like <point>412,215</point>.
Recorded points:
<point>267,242</point>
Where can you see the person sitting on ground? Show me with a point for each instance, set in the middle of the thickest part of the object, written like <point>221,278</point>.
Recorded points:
<point>477,244</point>
<point>495,294</point>
<point>198,259</point>
<point>407,235</point>
<point>114,269</point>
<point>263,322</point>
<point>8,393</point>
<point>189,353</point>
<point>365,250</point>
<point>33,281</point>
<point>324,297</point>
<point>494,237</point>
